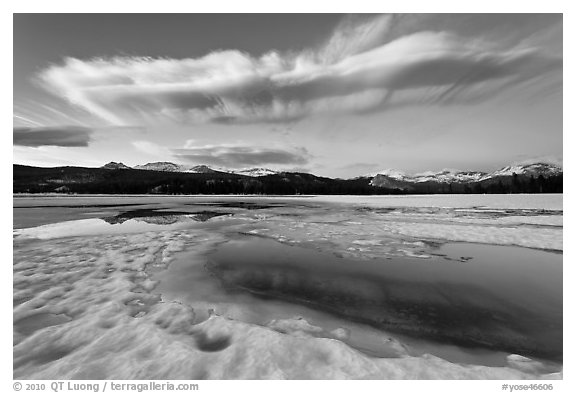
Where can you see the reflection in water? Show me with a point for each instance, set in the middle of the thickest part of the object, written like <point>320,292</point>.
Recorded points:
<point>242,205</point>
<point>162,217</point>
<point>502,300</point>
<point>129,222</point>
<point>507,299</point>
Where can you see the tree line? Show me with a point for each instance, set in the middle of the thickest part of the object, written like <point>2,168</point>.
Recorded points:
<point>102,181</point>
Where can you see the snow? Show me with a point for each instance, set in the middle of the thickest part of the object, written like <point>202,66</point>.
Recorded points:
<point>534,169</point>
<point>550,239</point>
<point>484,201</point>
<point>393,173</point>
<point>199,169</point>
<point>453,175</point>
<point>443,176</point>
<point>161,166</point>
<point>255,172</point>
<point>171,167</point>
<point>107,306</point>
<point>86,303</point>
<point>115,165</point>
<point>448,176</point>
<point>398,222</point>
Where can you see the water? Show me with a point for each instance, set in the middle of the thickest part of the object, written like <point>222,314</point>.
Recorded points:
<point>483,298</point>
<point>134,221</point>
<point>343,268</point>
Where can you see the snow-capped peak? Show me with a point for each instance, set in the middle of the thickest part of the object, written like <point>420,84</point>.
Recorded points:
<point>115,165</point>
<point>171,167</point>
<point>449,176</point>
<point>162,167</point>
<point>457,176</point>
<point>392,173</point>
<point>255,172</point>
<point>200,169</point>
<point>443,176</point>
<point>534,169</point>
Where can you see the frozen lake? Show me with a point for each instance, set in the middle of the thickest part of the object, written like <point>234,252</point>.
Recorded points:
<point>447,286</point>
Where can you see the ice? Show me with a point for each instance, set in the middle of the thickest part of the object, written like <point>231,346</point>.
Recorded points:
<point>389,225</point>
<point>496,201</point>
<point>543,238</point>
<point>86,301</point>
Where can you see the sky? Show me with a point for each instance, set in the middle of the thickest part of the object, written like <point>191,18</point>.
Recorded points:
<point>331,94</point>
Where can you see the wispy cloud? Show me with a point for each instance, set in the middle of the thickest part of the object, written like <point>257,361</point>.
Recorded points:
<point>27,112</point>
<point>365,66</point>
<point>67,136</point>
<point>152,149</point>
<point>26,120</point>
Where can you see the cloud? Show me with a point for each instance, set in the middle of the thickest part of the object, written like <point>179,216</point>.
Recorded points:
<point>355,34</point>
<point>239,156</point>
<point>151,148</point>
<point>25,120</point>
<point>364,66</point>
<point>65,136</point>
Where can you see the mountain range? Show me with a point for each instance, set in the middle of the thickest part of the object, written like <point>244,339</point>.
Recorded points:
<point>171,178</point>
<point>163,166</point>
<point>444,176</point>
<point>396,179</point>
